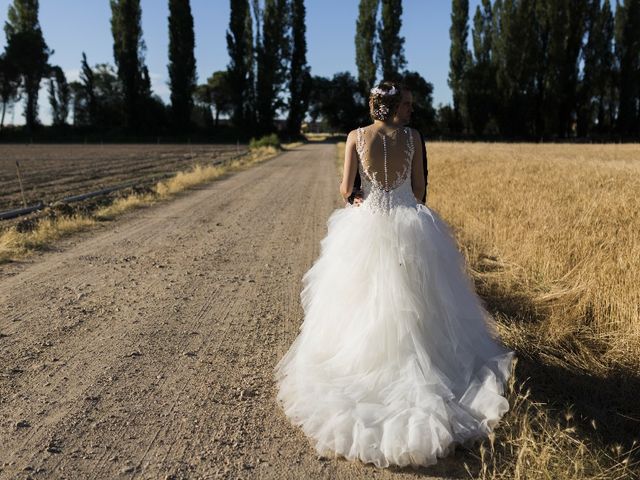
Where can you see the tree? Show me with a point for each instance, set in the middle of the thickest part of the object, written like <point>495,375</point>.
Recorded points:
<point>516,45</point>
<point>336,101</point>
<point>596,82</point>
<point>628,50</point>
<point>240,68</point>
<point>299,72</point>
<point>59,96</point>
<point>480,79</point>
<point>201,115</point>
<point>109,96</point>
<point>565,20</point>
<point>128,53</point>
<point>97,98</point>
<point>365,44</point>
<point>272,52</point>
<point>88,84</point>
<point>607,89</point>
<point>424,115</point>
<point>390,46</point>
<point>482,32</point>
<point>28,51</point>
<point>79,115</point>
<point>216,94</point>
<point>182,62</point>
<point>458,56</point>
<point>9,84</point>
<point>445,119</point>
<point>317,96</point>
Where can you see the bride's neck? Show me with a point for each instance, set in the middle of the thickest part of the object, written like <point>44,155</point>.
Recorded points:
<point>391,125</point>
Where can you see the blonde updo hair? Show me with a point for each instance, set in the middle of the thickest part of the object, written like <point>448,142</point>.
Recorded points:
<point>384,100</point>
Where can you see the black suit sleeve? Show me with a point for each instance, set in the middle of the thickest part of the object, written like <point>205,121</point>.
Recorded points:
<point>424,164</point>
<point>356,181</point>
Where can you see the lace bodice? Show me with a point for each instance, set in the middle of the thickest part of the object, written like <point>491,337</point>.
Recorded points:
<point>386,181</point>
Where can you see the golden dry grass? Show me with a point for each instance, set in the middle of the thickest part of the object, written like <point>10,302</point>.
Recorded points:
<point>16,244</point>
<point>551,234</point>
<point>532,443</point>
<point>556,226</point>
<point>183,180</point>
<point>317,137</point>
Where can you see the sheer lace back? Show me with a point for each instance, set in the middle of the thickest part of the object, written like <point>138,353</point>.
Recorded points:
<point>385,167</point>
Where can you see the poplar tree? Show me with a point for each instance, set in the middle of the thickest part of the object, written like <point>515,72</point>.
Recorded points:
<point>272,53</point>
<point>365,41</point>
<point>28,52</point>
<point>59,96</point>
<point>566,22</point>
<point>9,84</point>
<point>240,48</point>
<point>390,45</point>
<point>458,56</point>
<point>128,53</point>
<point>182,63</point>
<point>515,46</point>
<point>479,84</point>
<point>596,81</point>
<point>300,72</point>
<point>87,82</point>
<point>607,109</point>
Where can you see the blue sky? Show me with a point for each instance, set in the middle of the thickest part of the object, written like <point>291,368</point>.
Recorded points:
<point>73,26</point>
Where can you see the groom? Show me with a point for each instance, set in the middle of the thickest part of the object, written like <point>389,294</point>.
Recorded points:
<point>404,117</point>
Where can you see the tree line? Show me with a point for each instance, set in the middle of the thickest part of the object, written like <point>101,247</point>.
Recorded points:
<point>535,69</point>
<point>547,69</point>
<point>261,56</point>
<point>343,100</point>
<point>268,70</point>
<point>267,75</point>
<point>104,97</point>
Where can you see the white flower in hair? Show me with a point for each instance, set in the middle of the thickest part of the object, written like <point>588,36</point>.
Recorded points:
<point>381,112</point>
<point>379,91</point>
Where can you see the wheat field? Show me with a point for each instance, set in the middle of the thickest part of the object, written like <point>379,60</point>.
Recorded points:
<point>551,234</point>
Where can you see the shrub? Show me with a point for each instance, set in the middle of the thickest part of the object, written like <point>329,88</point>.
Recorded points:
<point>271,140</point>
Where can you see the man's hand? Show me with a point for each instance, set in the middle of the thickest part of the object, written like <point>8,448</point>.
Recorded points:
<point>355,198</point>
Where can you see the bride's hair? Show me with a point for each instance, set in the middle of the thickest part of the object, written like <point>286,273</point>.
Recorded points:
<point>384,100</point>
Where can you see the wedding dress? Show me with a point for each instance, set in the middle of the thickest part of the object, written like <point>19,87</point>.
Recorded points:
<point>396,361</point>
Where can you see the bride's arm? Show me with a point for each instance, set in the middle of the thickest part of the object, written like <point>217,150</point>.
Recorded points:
<point>417,168</point>
<point>350,166</point>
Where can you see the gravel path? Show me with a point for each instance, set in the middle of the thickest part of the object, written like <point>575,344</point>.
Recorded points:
<point>144,348</point>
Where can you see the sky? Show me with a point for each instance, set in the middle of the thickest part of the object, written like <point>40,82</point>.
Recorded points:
<point>71,27</point>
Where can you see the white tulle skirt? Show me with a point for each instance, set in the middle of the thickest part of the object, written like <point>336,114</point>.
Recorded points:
<point>396,361</point>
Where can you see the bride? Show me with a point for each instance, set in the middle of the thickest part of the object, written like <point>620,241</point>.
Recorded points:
<point>396,361</point>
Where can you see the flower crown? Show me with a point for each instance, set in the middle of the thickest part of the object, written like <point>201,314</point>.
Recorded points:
<point>379,91</point>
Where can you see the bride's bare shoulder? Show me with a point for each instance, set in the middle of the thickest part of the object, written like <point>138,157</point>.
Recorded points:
<point>353,134</point>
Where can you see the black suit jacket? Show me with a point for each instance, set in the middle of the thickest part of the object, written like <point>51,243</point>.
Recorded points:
<point>357,181</point>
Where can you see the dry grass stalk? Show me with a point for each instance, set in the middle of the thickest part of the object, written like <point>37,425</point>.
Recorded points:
<point>530,444</point>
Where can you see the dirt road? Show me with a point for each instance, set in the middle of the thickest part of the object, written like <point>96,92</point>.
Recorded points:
<point>145,348</point>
